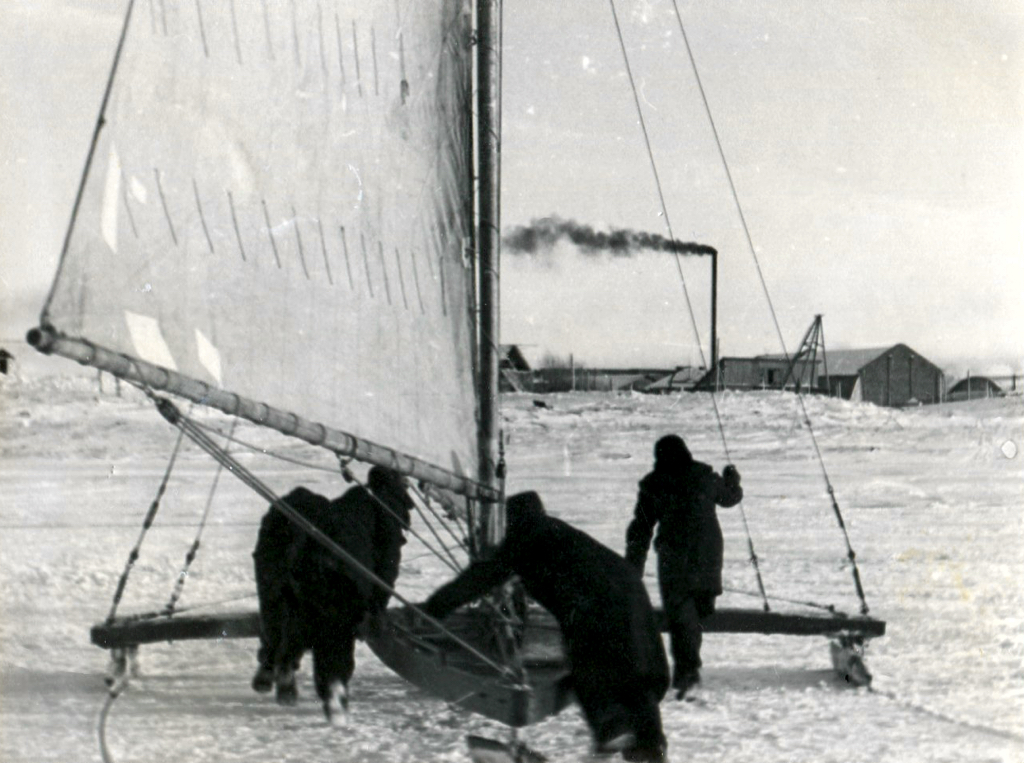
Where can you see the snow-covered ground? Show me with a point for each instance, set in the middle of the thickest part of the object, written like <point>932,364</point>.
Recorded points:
<point>932,499</point>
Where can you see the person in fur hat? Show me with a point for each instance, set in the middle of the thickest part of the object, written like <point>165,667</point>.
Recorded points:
<point>679,498</point>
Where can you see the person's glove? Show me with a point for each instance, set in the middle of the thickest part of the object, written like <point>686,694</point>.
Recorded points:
<point>730,474</point>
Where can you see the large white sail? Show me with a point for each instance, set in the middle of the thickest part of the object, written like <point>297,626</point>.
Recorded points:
<point>279,206</point>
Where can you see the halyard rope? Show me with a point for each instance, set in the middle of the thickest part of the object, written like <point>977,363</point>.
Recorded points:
<point>686,294</point>
<point>771,307</point>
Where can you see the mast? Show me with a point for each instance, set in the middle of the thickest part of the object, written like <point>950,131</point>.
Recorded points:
<point>488,13</point>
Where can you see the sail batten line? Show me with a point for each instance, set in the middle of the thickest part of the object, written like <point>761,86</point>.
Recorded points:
<point>138,371</point>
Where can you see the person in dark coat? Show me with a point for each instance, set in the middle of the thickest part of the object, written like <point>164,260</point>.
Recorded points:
<point>311,599</point>
<point>680,496</point>
<point>619,671</point>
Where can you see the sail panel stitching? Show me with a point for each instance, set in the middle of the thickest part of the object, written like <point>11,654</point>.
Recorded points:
<point>355,53</point>
<point>127,205</point>
<point>323,249</point>
<point>416,279</point>
<point>348,264</point>
<point>234,222</point>
<point>234,33</point>
<point>270,233</point>
<point>202,217</point>
<point>384,270</point>
<point>401,277</point>
<point>298,241</point>
<point>341,56</point>
<point>366,263</point>
<point>202,29</point>
<point>163,203</point>
<point>373,55</point>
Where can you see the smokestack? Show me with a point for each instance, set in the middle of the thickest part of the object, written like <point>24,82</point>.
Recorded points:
<point>545,232</point>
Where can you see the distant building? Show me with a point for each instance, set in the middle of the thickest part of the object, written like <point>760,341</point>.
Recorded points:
<point>683,378</point>
<point>974,387</point>
<point>890,376</point>
<point>762,372</point>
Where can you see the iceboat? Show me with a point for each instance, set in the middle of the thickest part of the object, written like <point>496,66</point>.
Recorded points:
<point>289,213</point>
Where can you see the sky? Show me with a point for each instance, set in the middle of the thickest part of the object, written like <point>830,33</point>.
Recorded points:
<point>875,148</point>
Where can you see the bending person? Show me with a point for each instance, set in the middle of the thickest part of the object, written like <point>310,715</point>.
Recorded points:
<point>619,672</point>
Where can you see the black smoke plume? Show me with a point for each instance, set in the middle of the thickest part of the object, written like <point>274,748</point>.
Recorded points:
<point>545,232</point>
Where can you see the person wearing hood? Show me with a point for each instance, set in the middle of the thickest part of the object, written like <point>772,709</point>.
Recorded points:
<point>679,497</point>
<point>311,599</point>
<point>619,671</point>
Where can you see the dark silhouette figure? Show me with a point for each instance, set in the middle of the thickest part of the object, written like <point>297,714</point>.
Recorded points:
<point>311,599</point>
<point>619,672</point>
<point>680,496</point>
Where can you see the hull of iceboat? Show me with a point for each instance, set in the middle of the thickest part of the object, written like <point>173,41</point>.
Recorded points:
<point>442,666</point>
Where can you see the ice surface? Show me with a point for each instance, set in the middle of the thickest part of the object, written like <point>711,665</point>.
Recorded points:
<point>931,501</point>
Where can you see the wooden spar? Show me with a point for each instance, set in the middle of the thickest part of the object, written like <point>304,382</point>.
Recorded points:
<point>342,443</point>
<point>129,630</point>
<point>488,13</point>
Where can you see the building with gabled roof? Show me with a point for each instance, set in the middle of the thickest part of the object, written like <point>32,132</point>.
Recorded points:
<point>890,376</point>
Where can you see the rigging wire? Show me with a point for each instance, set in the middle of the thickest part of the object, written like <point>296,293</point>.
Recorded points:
<point>333,470</point>
<point>764,286</point>
<point>179,584</point>
<point>693,321</point>
<point>147,522</point>
<point>812,604</point>
<point>171,413</point>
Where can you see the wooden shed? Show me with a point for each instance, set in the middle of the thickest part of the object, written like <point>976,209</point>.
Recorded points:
<point>889,376</point>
